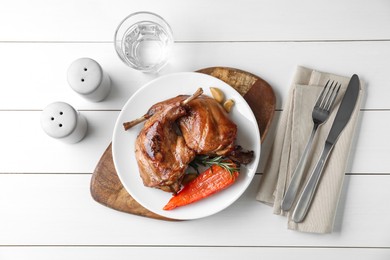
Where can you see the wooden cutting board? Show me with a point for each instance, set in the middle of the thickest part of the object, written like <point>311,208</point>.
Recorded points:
<point>107,189</point>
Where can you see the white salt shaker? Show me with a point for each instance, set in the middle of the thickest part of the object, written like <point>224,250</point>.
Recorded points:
<point>87,78</point>
<point>61,121</point>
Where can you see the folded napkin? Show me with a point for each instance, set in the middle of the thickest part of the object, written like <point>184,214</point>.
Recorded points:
<point>292,133</point>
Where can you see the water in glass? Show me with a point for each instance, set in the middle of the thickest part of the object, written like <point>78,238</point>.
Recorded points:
<point>146,45</point>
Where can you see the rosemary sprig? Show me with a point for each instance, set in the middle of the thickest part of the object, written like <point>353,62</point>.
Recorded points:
<point>221,161</point>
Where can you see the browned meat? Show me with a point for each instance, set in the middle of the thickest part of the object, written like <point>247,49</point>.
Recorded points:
<point>240,156</point>
<point>207,128</point>
<point>162,155</point>
<point>158,107</point>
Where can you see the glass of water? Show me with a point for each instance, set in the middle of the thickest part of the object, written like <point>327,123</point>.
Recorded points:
<point>143,41</point>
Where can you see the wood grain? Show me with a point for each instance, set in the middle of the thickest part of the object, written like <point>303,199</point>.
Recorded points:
<point>107,189</point>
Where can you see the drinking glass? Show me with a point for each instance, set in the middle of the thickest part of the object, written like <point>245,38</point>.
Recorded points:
<point>143,41</point>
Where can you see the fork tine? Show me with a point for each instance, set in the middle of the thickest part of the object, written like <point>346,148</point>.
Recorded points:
<point>321,97</point>
<point>327,96</point>
<point>333,96</point>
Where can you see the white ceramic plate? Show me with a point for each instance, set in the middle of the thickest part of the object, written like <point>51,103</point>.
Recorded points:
<point>123,144</point>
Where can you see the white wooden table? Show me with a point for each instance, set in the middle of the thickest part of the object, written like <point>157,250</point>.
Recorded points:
<point>46,211</point>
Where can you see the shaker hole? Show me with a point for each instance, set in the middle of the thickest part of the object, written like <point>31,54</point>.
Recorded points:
<point>60,125</point>
<point>52,118</point>
<point>61,113</point>
<point>82,80</point>
<point>85,69</point>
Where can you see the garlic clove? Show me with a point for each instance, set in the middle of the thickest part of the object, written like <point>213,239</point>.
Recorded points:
<point>217,94</point>
<point>228,105</point>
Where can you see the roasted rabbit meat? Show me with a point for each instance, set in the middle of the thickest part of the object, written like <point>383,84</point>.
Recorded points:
<point>162,154</point>
<point>206,127</point>
<point>175,131</point>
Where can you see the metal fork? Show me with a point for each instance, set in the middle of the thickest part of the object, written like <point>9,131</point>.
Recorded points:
<point>320,114</point>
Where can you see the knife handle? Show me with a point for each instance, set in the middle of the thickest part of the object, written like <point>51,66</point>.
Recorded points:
<point>307,194</point>
<point>296,179</point>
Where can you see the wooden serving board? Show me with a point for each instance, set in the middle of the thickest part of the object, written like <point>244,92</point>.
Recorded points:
<point>107,189</point>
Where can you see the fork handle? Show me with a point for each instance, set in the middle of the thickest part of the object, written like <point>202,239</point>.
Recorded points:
<point>306,197</point>
<point>295,182</point>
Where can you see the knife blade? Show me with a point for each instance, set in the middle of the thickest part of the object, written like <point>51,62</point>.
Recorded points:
<point>345,110</point>
<point>343,115</point>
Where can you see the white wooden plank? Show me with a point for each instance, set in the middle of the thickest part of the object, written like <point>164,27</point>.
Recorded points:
<point>34,74</point>
<point>247,20</point>
<point>58,210</point>
<point>192,253</point>
<point>27,149</point>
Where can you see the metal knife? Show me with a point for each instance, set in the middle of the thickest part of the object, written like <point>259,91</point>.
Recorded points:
<point>342,117</point>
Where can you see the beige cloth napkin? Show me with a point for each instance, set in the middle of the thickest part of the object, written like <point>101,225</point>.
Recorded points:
<point>292,133</point>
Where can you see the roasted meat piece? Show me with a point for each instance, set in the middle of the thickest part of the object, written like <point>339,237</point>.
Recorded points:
<point>207,128</point>
<point>240,156</point>
<point>175,131</point>
<point>162,154</point>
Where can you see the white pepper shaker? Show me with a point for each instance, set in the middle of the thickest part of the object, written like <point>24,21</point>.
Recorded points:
<point>87,78</point>
<point>61,121</point>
